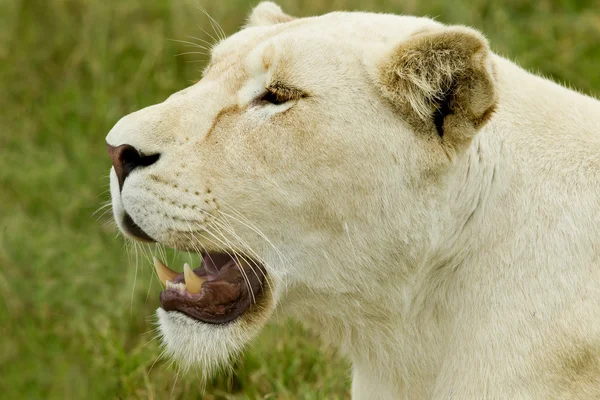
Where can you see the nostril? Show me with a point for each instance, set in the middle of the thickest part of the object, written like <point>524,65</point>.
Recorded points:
<point>146,161</point>
<point>126,158</point>
<point>131,159</point>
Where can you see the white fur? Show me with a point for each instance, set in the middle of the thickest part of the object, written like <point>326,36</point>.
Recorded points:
<point>477,280</point>
<point>195,344</point>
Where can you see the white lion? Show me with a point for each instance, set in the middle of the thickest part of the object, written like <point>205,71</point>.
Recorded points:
<point>425,205</point>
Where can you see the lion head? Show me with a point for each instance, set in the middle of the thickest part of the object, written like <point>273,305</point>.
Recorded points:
<point>303,167</point>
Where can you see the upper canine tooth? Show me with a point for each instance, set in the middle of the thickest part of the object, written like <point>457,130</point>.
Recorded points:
<point>164,273</point>
<point>192,281</point>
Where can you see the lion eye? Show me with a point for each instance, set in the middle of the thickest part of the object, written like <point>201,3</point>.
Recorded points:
<point>274,97</point>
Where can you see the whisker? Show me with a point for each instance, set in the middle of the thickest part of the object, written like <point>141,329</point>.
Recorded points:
<point>150,281</point>
<point>104,191</point>
<point>153,331</point>
<point>224,229</point>
<point>162,353</point>
<point>248,248</point>
<point>149,341</point>
<point>102,207</point>
<point>174,383</point>
<point>224,247</point>
<point>198,46</point>
<point>134,277</point>
<point>188,43</point>
<point>210,45</point>
<point>237,259</point>
<point>249,226</point>
<point>191,52</point>
<point>162,251</point>
<point>103,214</point>
<point>231,231</point>
<point>195,242</point>
<point>215,25</point>
<point>282,258</point>
<point>113,223</point>
<point>208,34</point>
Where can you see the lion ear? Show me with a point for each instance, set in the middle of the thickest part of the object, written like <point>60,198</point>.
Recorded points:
<point>267,13</point>
<point>442,82</point>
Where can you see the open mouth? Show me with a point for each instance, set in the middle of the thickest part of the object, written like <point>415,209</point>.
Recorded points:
<point>219,291</point>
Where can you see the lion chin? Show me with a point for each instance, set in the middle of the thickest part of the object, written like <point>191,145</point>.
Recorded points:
<point>423,204</point>
<point>207,314</point>
<point>209,346</point>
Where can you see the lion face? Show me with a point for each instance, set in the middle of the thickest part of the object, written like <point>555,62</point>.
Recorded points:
<point>276,167</point>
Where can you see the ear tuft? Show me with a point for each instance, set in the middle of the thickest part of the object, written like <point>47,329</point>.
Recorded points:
<point>442,81</point>
<point>268,13</point>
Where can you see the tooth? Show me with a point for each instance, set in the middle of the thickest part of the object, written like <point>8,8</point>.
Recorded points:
<point>192,281</point>
<point>164,273</point>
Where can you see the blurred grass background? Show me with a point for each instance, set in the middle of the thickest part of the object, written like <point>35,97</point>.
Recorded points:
<point>75,306</point>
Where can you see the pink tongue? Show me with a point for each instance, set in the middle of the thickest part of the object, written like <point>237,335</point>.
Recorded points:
<point>214,262</point>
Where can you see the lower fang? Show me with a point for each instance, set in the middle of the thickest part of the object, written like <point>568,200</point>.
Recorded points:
<point>192,281</point>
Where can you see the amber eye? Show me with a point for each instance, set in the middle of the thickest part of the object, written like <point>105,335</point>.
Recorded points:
<point>274,97</point>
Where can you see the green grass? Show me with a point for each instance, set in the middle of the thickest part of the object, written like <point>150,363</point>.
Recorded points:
<point>75,321</point>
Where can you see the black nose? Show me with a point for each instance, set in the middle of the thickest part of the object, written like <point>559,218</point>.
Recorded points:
<point>126,158</point>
